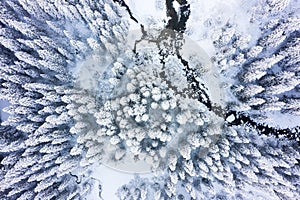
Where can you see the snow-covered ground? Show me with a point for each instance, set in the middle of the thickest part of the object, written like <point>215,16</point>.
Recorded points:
<point>147,11</point>
<point>111,179</point>
<point>280,120</point>
<point>3,104</point>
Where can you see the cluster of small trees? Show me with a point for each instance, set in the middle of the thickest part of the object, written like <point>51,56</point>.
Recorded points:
<point>147,109</point>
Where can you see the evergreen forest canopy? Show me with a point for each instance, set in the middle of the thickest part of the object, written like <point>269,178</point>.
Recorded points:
<point>225,127</point>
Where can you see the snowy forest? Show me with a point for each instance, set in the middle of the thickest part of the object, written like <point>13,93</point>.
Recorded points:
<point>197,100</point>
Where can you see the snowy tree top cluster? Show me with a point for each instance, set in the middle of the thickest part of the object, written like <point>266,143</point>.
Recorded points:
<point>150,107</point>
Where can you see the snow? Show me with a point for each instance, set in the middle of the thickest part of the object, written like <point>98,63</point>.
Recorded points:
<point>203,26</point>
<point>146,11</point>
<point>230,118</point>
<point>111,180</point>
<point>197,54</point>
<point>176,6</point>
<point>3,115</point>
<point>88,69</point>
<point>280,120</point>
